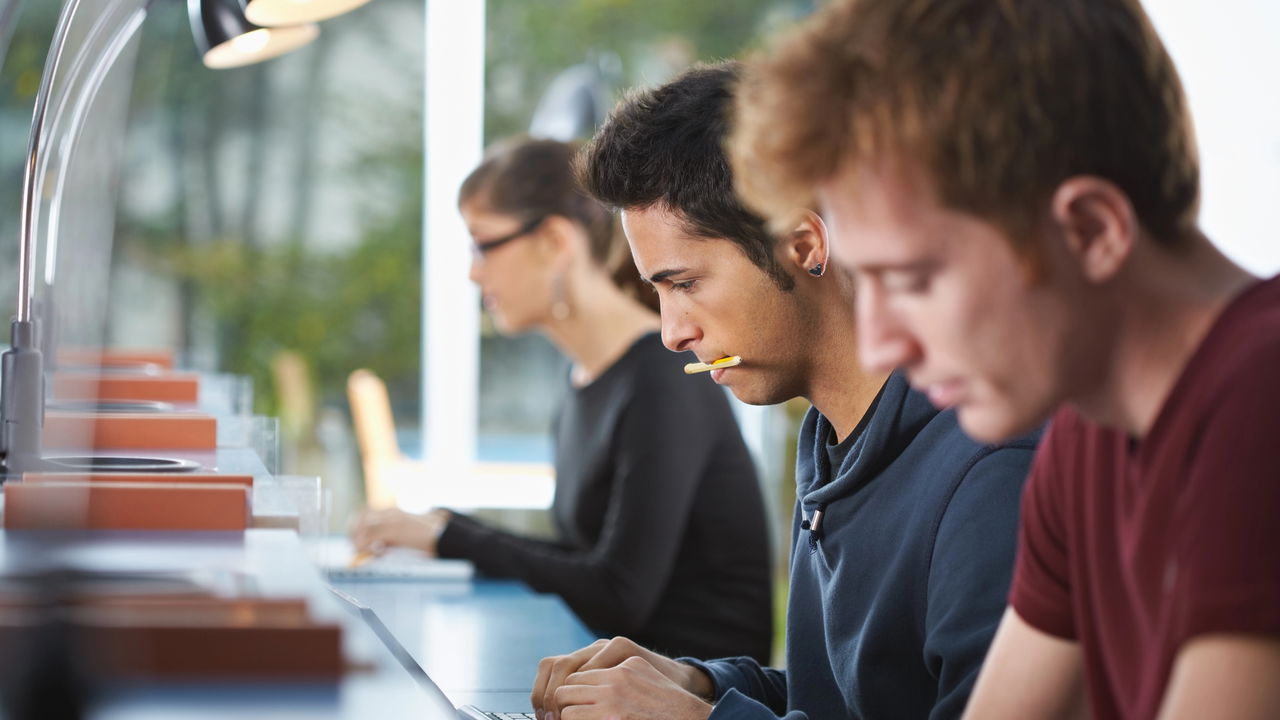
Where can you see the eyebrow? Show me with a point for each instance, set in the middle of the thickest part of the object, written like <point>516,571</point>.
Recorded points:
<point>908,266</point>
<point>658,277</point>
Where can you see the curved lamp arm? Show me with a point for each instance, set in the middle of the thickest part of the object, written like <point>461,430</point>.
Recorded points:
<point>71,137</point>
<point>22,390</point>
<point>35,151</point>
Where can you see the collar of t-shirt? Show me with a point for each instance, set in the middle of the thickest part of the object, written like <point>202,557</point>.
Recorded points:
<point>837,451</point>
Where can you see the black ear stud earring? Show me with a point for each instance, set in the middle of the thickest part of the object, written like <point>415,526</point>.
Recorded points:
<point>816,270</point>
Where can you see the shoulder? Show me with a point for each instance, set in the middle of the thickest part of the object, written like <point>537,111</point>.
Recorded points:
<point>1220,416</point>
<point>945,448</point>
<point>990,480</point>
<point>972,486</point>
<point>974,530</point>
<point>1256,308</point>
<point>958,480</point>
<point>1242,350</point>
<point>1242,369</point>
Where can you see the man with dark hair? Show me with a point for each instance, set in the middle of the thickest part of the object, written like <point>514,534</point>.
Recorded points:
<point>904,528</point>
<point>1015,185</point>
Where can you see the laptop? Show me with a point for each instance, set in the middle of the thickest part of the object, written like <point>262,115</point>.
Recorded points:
<point>403,656</point>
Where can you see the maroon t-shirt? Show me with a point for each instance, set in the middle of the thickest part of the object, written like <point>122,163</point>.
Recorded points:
<point>1132,550</point>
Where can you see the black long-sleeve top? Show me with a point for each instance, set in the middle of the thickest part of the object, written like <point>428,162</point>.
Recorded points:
<point>662,534</point>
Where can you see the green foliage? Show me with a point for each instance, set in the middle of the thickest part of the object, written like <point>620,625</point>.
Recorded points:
<point>261,293</point>
<point>529,42</point>
<point>357,308</point>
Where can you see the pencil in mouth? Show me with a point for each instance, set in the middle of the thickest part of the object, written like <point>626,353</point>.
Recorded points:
<point>724,362</point>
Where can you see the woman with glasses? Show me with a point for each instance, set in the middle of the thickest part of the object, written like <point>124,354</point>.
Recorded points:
<point>660,520</point>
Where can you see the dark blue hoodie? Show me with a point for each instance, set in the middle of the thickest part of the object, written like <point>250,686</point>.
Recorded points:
<point>896,595</point>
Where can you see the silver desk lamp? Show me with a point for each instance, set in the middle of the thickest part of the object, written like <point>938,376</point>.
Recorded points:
<point>224,39</point>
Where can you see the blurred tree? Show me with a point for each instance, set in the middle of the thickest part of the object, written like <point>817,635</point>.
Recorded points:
<point>259,289</point>
<point>646,40</point>
<point>199,150</point>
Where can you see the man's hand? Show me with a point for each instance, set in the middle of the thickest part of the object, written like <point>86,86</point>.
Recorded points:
<point>553,672</point>
<point>378,529</point>
<point>633,690</point>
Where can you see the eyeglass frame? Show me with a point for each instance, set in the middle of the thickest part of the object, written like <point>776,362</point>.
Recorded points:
<point>480,249</point>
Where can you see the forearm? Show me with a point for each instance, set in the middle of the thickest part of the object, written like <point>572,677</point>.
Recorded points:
<point>1227,676</point>
<point>589,582</point>
<point>1029,674</point>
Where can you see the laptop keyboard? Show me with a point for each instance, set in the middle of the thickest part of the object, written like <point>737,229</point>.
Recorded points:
<point>509,716</point>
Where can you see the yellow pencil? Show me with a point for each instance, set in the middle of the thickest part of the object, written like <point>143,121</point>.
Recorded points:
<point>724,362</point>
<point>361,558</point>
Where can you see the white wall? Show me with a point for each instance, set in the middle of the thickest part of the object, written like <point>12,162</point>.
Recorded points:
<point>1228,53</point>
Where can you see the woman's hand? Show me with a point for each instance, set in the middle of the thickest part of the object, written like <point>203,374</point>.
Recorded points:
<point>376,530</point>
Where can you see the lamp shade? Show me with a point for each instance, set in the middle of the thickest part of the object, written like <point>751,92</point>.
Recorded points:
<point>272,13</point>
<point>225,39</point>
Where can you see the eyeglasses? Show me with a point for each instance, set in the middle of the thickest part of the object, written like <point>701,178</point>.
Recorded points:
<point>483,247</point>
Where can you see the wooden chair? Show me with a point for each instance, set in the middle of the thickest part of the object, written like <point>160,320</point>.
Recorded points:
<point>391,479</point>
<point>385,468</point>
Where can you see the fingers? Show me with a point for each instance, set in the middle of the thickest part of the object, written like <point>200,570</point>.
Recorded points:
<point>563,667</point>
<point>584,687</point>
<point>580,691</point>
<point>587,678</point>
<point>613,653</point>
<point>582,712</point>
<point>551,674</point>
<point>374,530</point>
<point>580,694</point>
<point>599,655</point>
<point>539,691</point>
<point>619,649</point>
<point>360,530</point>
<point>632,684</point>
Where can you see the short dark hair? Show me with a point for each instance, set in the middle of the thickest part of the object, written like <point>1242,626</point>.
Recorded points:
<point>664,147</point>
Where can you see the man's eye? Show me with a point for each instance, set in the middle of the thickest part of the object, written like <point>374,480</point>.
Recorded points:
<point>907,282</point>
<point>683,286</point>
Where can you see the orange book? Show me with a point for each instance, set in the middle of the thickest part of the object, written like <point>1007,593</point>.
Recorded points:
<point>166,387</point>
<point>186,478</point>
<point>125,506</point>
<point>197,610</point>
<point>311,650</point>
<point>129,431</point>
<point>112,357</point>
<point>244,638</point>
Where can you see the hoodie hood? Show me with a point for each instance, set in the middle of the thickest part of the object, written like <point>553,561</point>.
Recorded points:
<point>892,421</point>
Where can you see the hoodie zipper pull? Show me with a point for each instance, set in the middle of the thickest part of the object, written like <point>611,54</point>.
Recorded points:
<point>813,524</point>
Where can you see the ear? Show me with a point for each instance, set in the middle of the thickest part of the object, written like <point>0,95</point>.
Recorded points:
<point>1097,223</point>
<point>806,246</point>
<point>558,237</point>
